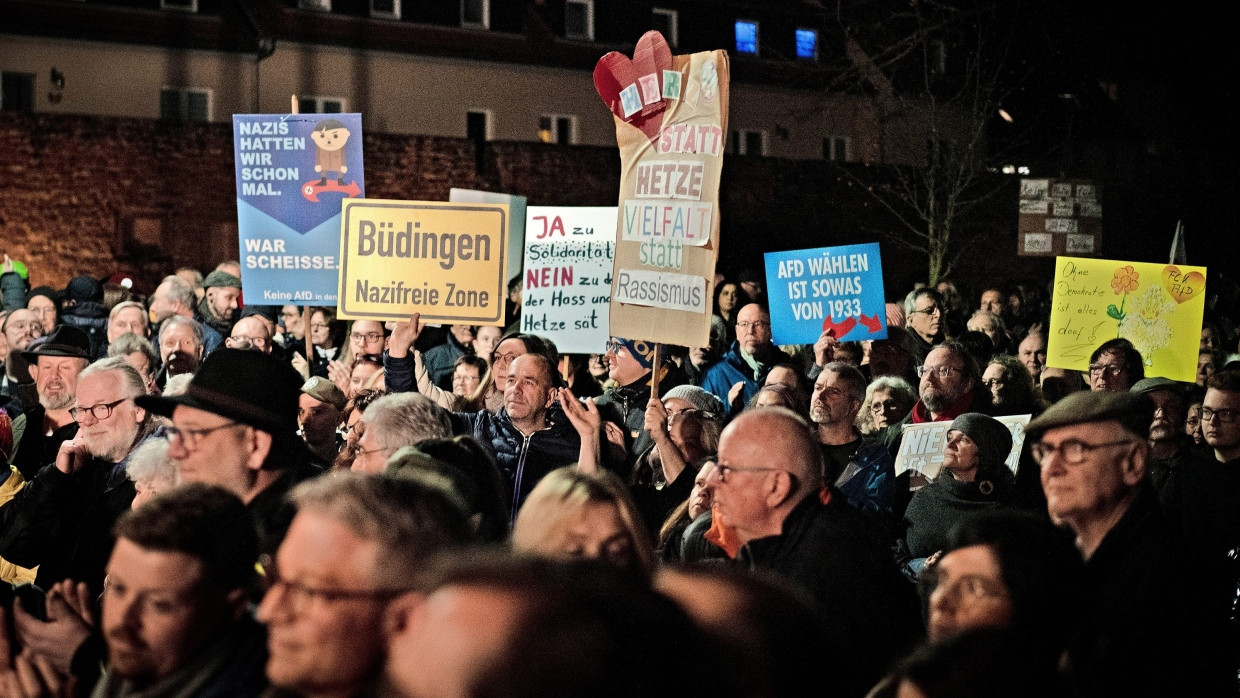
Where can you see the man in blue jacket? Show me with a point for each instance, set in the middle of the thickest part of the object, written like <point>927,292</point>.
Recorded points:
<point>744,367</point>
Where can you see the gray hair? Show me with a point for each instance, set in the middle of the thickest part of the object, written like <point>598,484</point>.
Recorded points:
<point>116,310</point>
<point>188,322</point>
<point>130,343</point>
<point>910,301</point>
<point>131,381</point>
<point>180,291</point>
<point>896,385</point>
<point>409,517</point>
<point>149,463</point>
<point>404,419</point>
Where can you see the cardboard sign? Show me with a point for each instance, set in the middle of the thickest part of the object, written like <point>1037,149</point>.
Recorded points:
<point>1059,217</point>
<point>671,115</point>
<point>516,220</point>
<point>828,289</point>
<point>443,260</point>
<point>292,173</point>
<point>1157,307</point>
<point>567,284</point>
<point>922,446</point>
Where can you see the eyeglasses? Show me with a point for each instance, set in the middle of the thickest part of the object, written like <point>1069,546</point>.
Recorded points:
<point>673,415</point>
<point>365,336</point>
<point>189,438</point>
<point>256,341</point>
<point>99,412</point>
<point>932,310</point>
<point>1072,452</point>
<point>759,325</point>
<point>505,358</point>
<point>1224,416</point>
<point>723,471</point>
<point>943,371</point>
<point>886,406</point>
<point>1111,370</point>
<point>613,347</point>
<point>301,596</point>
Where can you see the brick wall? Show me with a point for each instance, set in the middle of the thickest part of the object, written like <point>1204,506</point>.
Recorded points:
<point>73,187</point>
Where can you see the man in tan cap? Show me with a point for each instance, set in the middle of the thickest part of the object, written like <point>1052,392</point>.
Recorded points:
<point>319,412</point>
<point>1149,623</point>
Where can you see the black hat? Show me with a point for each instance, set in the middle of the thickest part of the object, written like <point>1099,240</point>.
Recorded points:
<point>993,439</point>
<point>65,340</point>
<point>270,312</point>
<point>248,386</point>
<point>82,289</point>
<point>1134,411</point>
<point>52,294</point>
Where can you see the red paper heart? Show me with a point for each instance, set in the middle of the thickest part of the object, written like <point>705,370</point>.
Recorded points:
<point>615,72</point>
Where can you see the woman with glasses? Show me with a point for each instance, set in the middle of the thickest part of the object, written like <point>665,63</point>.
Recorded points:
<point>888,400</point>
<point>974,477</point>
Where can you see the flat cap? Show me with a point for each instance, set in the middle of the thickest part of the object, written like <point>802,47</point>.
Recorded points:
<point>1134,411</point>
<point>221,278</point>
<point>1149,385</point>
<point>324,391</point>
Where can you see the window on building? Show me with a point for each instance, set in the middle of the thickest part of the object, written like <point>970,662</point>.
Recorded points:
<point>310,104</point>
<point>185,105</point>
<point>557,128</point>
<point>667,23</point>
<point>476,14</point>
<point>749,142</point>
<point>807,44</point>
<point>318,5</point>
<point>579,20</point>
<point>17,92</point>
<point>478,125</point>
<point>182,5</point>
<point>835,148</point>
<point>388,9</point>
<point>747,37</point>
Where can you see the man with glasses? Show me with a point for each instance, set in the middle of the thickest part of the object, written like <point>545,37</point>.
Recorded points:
<point>1115,366</point>
<point>1150,620</point>
<point>355,548</point>
<point>250,333</point>
<point>20,328</point>
<point>236,427</point>
<point>768,486</point>
<point>924,308</point>
<point>950,386</point>
<point>630,365</point>
<point>737,377</point>
<point>62,520</point>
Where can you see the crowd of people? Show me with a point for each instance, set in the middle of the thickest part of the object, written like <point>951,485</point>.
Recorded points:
<point>207,497</point>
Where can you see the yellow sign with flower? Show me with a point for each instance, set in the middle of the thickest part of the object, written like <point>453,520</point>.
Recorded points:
<point>1157,307</point>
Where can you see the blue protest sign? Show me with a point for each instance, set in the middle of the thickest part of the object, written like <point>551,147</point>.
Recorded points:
<point>293,170</point>
<point>836,289</point>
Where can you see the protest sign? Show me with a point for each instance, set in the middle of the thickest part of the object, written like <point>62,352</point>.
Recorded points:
<point>516,220</point>
<point>568,260</point>
<point>293,170</point>
<point>1157,307</point>
<point>921,448</point>
<point>1059,217</point>
<point>443,260</point>
<point>671,115</point>
<point>828,289</point>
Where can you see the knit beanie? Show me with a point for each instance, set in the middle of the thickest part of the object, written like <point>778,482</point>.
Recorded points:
<point>994,441</point>
<point>700,399</point>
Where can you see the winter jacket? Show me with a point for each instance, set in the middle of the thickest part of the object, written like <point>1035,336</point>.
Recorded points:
<point>732,369</point>
<point>91,318</point>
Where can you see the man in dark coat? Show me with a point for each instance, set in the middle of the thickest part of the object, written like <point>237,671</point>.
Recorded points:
<point>1152,619</point>
<point>236,427</point>
<point>529,436</point>
<point>630,363</point>
<point>46,422</point>
<point>736,378</point>
<point>768,487</point>
<point>61,521</point>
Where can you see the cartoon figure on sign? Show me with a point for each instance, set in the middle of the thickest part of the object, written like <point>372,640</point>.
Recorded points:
<point>330,137</point>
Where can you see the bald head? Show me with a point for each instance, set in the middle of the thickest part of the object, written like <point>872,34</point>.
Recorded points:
<point>250,333</point>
